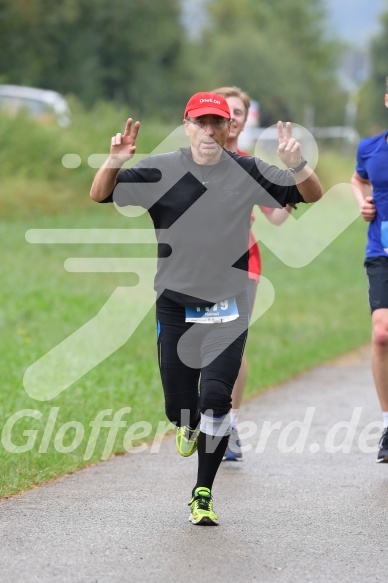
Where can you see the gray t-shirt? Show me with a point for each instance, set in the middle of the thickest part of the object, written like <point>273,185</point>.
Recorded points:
<point>201,215</point>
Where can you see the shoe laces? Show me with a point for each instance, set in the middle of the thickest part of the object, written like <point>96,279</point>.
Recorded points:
<point>203,500</point>
<point>189,433</point>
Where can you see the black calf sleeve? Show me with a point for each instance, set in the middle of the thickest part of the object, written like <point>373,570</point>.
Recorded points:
<point>210,453</point>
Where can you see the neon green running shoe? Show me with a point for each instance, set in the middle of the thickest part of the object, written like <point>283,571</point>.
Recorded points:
<point>202,508</point>
<point>187,440</point>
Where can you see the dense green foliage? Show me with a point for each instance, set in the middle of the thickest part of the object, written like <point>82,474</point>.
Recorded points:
<point>279,52</point>
<point>123,51</point>
<point>137,52</point>
<point>372,113</point>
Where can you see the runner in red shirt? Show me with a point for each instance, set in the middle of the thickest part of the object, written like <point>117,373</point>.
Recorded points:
<point>239,103</point>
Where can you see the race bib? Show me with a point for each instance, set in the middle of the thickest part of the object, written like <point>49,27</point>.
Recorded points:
<point>224,311</point>
<point>384,235</point>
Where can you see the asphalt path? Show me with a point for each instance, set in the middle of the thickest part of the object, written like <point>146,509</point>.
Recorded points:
<point>308,503</point>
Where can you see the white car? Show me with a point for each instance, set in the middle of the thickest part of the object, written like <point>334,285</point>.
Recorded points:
<point>41,103</point>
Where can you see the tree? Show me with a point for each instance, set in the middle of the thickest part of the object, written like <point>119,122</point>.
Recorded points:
<point>136,52</point>
<point>278,51</point>
<point>122,50</point>
<point>372,114</point>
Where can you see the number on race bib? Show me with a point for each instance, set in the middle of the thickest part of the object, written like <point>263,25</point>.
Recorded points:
<point>223,311</point>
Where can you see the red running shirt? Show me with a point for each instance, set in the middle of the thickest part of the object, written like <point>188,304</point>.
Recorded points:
<point>254,262</point>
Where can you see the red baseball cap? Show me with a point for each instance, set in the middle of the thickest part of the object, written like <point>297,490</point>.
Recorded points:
<point>207,103</point>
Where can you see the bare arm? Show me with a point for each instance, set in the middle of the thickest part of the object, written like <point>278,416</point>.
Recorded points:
<point>290,153</point>
<point>362,190</point>
<point>122,149</point>
<point>279,216</point>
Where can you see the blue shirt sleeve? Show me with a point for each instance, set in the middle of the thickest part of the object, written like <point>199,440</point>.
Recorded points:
<point>361,159</point>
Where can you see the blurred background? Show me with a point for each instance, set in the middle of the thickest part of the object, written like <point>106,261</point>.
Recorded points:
<point>316,62</point>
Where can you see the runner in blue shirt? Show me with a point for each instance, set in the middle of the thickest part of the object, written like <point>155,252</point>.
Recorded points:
<point>370,186</point>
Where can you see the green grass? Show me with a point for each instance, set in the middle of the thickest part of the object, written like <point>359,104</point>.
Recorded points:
<point>320,311</point>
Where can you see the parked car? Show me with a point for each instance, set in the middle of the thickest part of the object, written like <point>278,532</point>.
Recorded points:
<point>40,103</point>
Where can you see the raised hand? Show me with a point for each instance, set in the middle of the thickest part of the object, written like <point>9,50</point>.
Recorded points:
<point>289,150</point>
<point>124,145</point>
